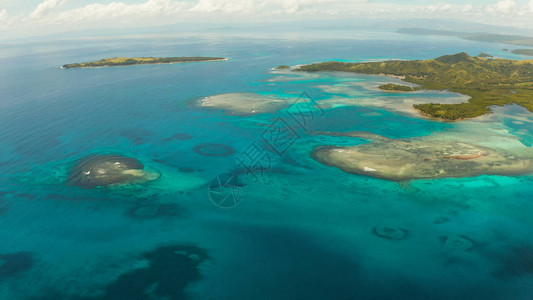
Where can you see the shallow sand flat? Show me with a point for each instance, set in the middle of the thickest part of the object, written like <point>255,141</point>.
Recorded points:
<point>403,104</point>
<point>423,157</point>
<point>243,104</point>
<point>286,75</point>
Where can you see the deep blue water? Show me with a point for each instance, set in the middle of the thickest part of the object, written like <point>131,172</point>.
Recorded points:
<point>302,231</point>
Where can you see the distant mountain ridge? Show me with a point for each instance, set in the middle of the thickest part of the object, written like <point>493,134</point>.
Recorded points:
<point>480,36</point>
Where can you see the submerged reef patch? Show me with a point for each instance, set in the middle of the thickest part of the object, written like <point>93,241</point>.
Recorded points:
<point>138,136</point>
<point>169,271</point>
<point>226,190</point>
<point>178,137</point>
<point>12,264</point>
<point>242,104</point>
<point>104,170</point>
<point>457,242</point>
<point>4,204</point>
<point>210,149</point>
<point>423,157</point>
<point>516,262</point>
<point>154,210</point>
<point>390,232</point>
<point>4,207</point>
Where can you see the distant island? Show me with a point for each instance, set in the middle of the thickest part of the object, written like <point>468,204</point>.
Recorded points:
<point>128,61</point>
<point>523,51</point>
<point>397,87</point>
<point>485,55</point>
<point>487,81</point>
<point>481,37</point>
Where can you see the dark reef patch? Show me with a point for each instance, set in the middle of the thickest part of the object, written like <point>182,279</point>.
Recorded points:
<point>210,149</point>
<point>12,264</point>
<point>516,262</point>
<point>4,207</point>
<point>78,197</point>
<point>288,264</point>
<point>4,203</point>
<point>283,263</point>
<point>26,196</point>
<point>293,162</point>
<point>178,164</point>
<point>178,136</point>
<point>103,170</point>
<point>170,270</point>
<point>187,169</point>
<point>457,242</point>
<point>441,220</point>
<point>389,232</point>
<point>154,210</point>
<point>138,136</point>
<point>226,190</point>
<point>3,193</point>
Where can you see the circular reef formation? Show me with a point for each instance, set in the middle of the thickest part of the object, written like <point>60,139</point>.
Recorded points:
<point>457,242</point>
<point>104,170</point>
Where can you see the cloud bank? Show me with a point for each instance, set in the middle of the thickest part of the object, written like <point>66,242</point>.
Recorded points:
<point>51,13</point>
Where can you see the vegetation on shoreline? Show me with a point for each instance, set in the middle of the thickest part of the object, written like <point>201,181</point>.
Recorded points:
<point>283,67</point>
<point>397,87</point>
<point>487,81</point>
<point>126,61</point>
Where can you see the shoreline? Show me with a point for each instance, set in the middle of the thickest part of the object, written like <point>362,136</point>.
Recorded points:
<point>487,82</point>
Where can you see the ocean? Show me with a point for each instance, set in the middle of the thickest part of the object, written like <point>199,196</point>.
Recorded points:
<point>291,229</point>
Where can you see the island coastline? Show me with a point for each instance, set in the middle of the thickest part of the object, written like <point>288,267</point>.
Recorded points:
<point>479,78</point>
<point>132,61</point>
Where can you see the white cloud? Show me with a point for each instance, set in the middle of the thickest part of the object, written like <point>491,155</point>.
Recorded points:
<point>115,11</point>
<point>4,18</point>
<point>468,8</point>
<point>209,6</point>
<point>505,6</point>
<point>529,6</point>
<point>121,13</point>
<point>439,8</point>
<point>45,8</point>
<point>261,6</point>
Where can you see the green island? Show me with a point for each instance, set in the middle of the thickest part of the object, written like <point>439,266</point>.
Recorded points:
<point>128,61</point>
<point>397,87</point>
<point>523,51</point>
<point>485,55</point>
<point>282,67</point>
<point>488,82</point>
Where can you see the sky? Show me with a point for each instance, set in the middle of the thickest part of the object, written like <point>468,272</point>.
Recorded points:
<point>43,16</point>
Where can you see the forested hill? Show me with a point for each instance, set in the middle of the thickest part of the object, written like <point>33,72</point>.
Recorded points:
<point>487,81</point>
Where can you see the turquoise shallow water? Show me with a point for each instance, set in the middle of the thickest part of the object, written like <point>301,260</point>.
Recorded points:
<point>302,231</point>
